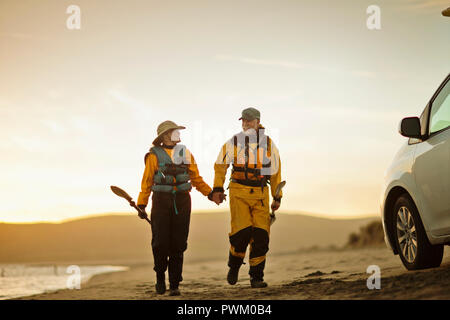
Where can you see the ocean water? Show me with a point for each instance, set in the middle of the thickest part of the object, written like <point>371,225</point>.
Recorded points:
<point>18,280</point>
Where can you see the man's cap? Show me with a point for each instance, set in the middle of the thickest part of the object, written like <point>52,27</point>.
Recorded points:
<point>163,128</point>
<point>250,114</point>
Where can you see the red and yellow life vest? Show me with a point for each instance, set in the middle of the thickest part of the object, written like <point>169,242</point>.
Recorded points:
<point>250,164</point>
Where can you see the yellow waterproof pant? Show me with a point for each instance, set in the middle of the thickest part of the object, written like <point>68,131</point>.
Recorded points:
<point>250,224</point>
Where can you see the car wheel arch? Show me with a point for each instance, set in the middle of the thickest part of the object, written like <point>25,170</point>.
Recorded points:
<point>391,199</point>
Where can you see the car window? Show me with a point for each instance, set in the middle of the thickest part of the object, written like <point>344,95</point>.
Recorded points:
<point>440,110</point>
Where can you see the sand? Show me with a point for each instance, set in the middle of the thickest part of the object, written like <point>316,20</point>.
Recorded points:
<point>304,261</point>
<point>309,274</point>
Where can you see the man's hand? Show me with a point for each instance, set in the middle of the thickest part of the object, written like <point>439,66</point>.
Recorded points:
<point>275,205</point>
<point>217,196</point>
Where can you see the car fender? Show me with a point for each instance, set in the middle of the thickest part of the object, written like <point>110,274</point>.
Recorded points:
<point>397,180</point>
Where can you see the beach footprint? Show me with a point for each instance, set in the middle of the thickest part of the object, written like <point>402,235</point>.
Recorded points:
<point>314,274</point>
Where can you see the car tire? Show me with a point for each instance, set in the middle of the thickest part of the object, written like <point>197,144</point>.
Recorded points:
<point>413,246</point>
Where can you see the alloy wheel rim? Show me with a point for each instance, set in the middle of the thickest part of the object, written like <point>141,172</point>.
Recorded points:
<point>406,234</point>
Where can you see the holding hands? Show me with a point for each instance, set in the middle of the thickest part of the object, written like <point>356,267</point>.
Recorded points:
<point>217,196</point>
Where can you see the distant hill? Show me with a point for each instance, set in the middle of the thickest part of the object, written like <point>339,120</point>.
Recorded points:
<point>370,235</point>
<point>125,239</point>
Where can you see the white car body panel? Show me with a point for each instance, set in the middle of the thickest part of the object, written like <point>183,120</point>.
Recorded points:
<point>432,176</point>
<point>422,169</point>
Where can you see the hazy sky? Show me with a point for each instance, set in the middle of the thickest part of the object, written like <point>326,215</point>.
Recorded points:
<point>79,108</point>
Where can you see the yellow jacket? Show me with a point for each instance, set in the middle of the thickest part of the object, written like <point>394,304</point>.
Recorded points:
<point>227,155</point>
<point>151,166</point>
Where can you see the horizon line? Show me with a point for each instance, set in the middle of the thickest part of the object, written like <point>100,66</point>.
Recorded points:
<point>106,214</point>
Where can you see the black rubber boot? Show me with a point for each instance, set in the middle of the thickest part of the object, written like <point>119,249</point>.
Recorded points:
<point>233,274</point>
<point>258,283</point>
<point>174,291</point>
<point>257,275</point>
<point>160,283</point>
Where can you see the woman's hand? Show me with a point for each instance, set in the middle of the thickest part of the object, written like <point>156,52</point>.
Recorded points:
<point>217,197</point>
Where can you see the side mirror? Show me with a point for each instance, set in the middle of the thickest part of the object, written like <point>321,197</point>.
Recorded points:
<point>410,127</point>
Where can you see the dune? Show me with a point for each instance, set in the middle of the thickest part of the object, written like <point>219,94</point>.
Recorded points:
<point>369,235</point>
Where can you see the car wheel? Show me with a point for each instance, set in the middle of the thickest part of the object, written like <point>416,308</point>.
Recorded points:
<point>414,249</point>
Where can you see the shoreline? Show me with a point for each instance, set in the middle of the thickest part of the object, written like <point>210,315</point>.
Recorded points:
<point>27,280</point>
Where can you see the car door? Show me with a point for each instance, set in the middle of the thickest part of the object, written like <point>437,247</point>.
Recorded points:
<point>431,167</point>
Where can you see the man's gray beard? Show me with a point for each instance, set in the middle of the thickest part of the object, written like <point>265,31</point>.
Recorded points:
<point>249,132</point>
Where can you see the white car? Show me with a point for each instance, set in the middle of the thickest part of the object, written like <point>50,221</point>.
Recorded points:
<point>415,204</point>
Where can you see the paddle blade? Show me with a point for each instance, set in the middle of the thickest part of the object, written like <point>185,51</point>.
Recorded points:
<point>121,193</point>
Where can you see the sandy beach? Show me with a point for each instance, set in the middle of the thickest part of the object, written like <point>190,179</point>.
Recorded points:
<point>303,275</point>
<point>308,259</point>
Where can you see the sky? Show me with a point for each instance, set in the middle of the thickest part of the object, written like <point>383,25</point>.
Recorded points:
<point>79,108</point>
